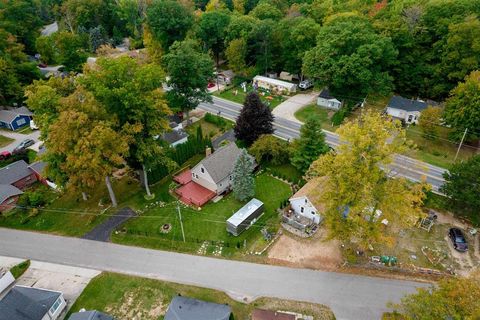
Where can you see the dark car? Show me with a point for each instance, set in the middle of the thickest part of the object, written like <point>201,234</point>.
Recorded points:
<point>23,145</point>
<point>458,239</point>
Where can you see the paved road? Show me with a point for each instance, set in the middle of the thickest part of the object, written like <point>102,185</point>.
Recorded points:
<point>18,137</point>
<point>412,169</point>
<point>103,231</point>
<point>350,296</point>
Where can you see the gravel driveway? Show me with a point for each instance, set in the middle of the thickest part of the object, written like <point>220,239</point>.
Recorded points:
<point>103,231</point>
<point>288,108</point>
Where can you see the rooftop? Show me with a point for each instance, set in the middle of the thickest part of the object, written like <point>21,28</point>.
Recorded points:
<point>26,303</point>
<point>174,136</point>
<point>38,167</point>
<point>8,115</point>
<point>90,315</point>
<point>276,82</point>
<point>14,172</point>
<point>313,191</point>
<point>7,191</point>
<point>245,212</point>
<point>325,93</point>
<point>183,308</point>
<point>398,102</point>
<point>220,164</point>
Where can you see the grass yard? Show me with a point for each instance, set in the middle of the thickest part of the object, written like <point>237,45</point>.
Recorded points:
<point>5,141</point>
<point>128,297</point>
<point>209,129</point>
<point>205,230</point>
<point>324,115</point>
<point>287,171</point>
<point>271,100</point>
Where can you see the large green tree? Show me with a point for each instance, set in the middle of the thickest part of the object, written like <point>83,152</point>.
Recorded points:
<point>243,183</point>
<point>351,58</point>
<point>255,119</point>
<point>310,145</point>
<point>169,21</point>
<point>189,71</point>
<point>212,30</point>
<point>269,149</point>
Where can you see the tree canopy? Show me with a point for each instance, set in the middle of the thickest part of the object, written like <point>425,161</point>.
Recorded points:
<point>243,183</point>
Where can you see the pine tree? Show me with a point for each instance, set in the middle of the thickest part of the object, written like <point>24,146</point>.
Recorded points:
<point>243,182</point>
<point>255,119</point>
<point>310,145</point>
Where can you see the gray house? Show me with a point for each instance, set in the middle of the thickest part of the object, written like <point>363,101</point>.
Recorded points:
<point>90,315</point>
<point>407,110</point>
<point>215,171</point>
<point>26,303</point>
<point>183,308</point>
<point>326,100</point>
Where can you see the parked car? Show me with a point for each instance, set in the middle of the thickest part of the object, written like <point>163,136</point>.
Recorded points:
<point>458,239</point>
<point>305,84</point>
<point>23,145</point>
<point>5,155</point>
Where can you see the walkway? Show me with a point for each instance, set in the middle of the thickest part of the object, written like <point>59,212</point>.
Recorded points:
<point>350,296</point>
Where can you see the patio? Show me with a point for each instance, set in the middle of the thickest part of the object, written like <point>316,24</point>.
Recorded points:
<point>192,193</point>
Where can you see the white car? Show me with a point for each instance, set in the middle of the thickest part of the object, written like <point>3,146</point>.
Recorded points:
<point>305,84</point>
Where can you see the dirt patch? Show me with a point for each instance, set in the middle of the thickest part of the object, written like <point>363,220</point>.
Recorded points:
<point>315,252</point>
<point>141,304</point>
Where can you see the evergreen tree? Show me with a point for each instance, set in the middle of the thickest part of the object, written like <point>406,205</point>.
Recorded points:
<point>255,119</point>
<point>310,145</point>
<point>243,182</point>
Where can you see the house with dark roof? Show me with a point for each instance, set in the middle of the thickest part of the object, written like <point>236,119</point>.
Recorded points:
<point>90,315</point>
<point>17,174</point>
<point>215,171</point>
<point>183,308</point>
<point>407,110</point>
<point>26,303</point>
<point>326,100</point>
<point>14,119</point>
<point>175,137</point>
<point>8,196</point>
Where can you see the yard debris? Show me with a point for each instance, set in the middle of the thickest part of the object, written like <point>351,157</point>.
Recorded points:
<point>203,248</point>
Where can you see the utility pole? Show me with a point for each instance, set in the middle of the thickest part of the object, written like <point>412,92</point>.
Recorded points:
<point>181,223</point>
<point>461,142</point>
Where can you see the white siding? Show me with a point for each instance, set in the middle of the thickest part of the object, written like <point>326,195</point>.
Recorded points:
<point>176,143</point>
<point>309,211</point>
<point>63,304</point>
<point>224,185</point>
<point>407,116</point>
<point>396,113</point>
<point>6,280</point>
<point>203,178</point>
<point>329,103</point>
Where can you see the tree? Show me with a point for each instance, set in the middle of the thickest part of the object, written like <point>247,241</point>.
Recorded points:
<point>265,11</point>
<point>462,108</point>
<point>430,120</point>
<point>169,21</point>
<point>243,183</point>
<point>451,298</point>
<point>462,186</point>
<point>351,58</point>
<point>254,120</point>
<point>65,48</point>
<point>310,145</point>
<point>357,187</point>
<point>268,148</point>
<point>189,71</point>
<point>236,54</point>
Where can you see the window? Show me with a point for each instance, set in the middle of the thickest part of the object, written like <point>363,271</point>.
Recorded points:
<point>302,209</point>
<point>220,184</point>
<point>203,170</point>
<point>410,117</point>
<point>56,305</point>
<point>196,176</point>
<point>305,200</point>
<point>21,122</point>
<point>313,212</point>
<point>231,178</point>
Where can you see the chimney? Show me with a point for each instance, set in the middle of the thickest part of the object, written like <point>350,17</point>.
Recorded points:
<point>208,151</point>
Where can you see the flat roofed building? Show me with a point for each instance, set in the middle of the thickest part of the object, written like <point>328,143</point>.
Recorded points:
<point>245,217</point>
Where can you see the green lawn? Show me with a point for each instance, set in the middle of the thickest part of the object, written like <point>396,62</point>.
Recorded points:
<point>209,129</point>
<point>127,297</point>
<point>271,100</point>
<point>285,170</point>
<point>324,115</point>
<point>5,141</point>
<point>208,224</point>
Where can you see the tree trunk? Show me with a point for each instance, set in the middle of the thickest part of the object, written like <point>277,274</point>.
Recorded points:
<point>84,196</point>
<point>187,116</point>
<point>110,191</point>
<point>145,181</point>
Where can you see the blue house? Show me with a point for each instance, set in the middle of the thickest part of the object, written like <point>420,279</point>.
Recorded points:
<point>14,119</point>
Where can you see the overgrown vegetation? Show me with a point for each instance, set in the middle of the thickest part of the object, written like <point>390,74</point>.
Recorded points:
<point>20,269</point>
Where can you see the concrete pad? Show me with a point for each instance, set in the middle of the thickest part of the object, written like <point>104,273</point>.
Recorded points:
<point>8,262</point>
<point>288,108</point>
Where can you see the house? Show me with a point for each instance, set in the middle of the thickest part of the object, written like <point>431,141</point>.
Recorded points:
<point>26,303</point>
<point>8,196</point>
<point>215,171</point>
<point>17,174</point>
<point>175,137</point>
<point>260,314</point>
<point>306,202</point>
<point>407,110</point>
<point>326,100</point>
<point>245,217</point>
<point>274,85</point>
<point>226,77</point>
<point>288,76</point>
<point>90,315</point>
<point>183,308</point>
<point>14,119</point>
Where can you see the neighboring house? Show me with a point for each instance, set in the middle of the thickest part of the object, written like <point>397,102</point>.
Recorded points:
<point>26,303</point>
<point>215,171</point>
<point>274,85</point>
<point>17,174</point>
<point>407,110</point>
<point>14,119</point>
<point>326,100</point>
<point>226,77</point>
<point>260,314</point>
<point>90,315</point>
<point>8,196</point>
<point>288,76</point>
<point>183,308</point>
<point>175,137</point>
<point>306,202</point>
<point>245,217</point>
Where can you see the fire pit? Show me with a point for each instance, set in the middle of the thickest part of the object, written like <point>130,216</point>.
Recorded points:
<point>166,227</point>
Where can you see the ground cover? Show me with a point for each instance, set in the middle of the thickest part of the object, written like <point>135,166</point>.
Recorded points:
<point>5,141</point>
<point>236,94</point>
<point>20,269</point>
<point>322,114</point>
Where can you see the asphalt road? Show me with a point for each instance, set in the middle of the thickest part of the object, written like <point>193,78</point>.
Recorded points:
<point>351,297</point>
<point>403,166</point>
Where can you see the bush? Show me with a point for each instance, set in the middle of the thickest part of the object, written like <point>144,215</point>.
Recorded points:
<point>20,269</point>
<point>339,116</point>
<point>216,120</point>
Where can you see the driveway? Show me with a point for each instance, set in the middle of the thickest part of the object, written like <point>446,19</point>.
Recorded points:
<point>18,137</point>
<point>288,108</point>
<point>350,296</point>
<point>103,231</point>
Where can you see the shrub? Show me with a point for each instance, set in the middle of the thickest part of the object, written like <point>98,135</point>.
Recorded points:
<point>216,120</point>
<point>339,116</point>
<point>20,269</point>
